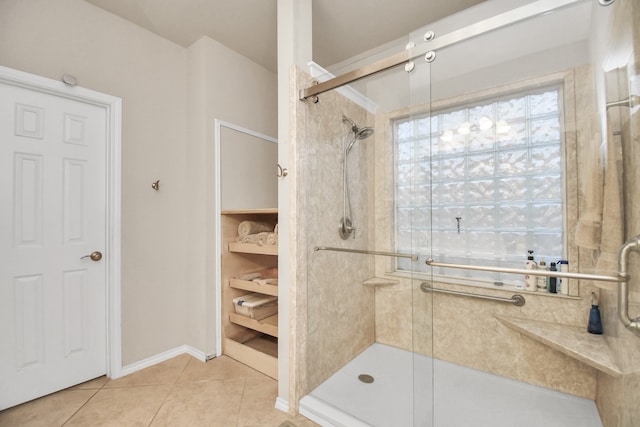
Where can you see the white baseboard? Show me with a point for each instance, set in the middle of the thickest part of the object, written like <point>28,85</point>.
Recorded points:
<point>159,358</point>
<point>200,355</point>
<point>282,405</point>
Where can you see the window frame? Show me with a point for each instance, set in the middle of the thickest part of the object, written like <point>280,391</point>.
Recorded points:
<point>565,82</point>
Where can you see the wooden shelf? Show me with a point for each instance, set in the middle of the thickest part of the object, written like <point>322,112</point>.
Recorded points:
<point>267,326</point>
<point>250,211</point>
<point>573,341</point>
<point>252,286</point>
<point>259,352</point>
<point>249,341</point>
<point>250,248</point>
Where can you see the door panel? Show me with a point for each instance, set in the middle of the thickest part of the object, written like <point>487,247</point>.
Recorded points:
<point>53,200</point>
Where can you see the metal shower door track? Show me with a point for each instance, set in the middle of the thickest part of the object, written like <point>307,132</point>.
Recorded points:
<point>502,20</point>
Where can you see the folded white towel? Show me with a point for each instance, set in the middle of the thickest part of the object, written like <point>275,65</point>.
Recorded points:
<point>249,276</point>
<point>261,238</point>
<point>251,238</point>
<point>267,275</point>
<point>246,228</point>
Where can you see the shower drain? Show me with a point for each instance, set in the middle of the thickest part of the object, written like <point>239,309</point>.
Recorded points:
<point>365,378</point>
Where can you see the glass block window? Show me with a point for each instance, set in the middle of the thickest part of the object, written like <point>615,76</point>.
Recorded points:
<point>481,184</point>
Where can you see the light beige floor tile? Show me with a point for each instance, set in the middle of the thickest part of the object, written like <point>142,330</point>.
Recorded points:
<point>222,392</point>
<point>220,368</point>
<point>94,384</point>
<point>52,410</point>
<point>121,407</point>
<point>298,421</point>
<point>204,403</point>
<point>258,405</point>
<point>166,372</point>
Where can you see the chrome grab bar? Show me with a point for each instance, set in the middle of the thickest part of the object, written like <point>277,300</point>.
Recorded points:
<point>547,273</point>
<point>632,325</point>
<point>517,299</point>
<point>633,244</point>
<point>361,251</point>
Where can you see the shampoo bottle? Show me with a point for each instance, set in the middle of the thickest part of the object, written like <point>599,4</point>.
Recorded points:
<point>530,281</point>
<point>563,284</point>
<point>552,282</point>
<point>541,281</point>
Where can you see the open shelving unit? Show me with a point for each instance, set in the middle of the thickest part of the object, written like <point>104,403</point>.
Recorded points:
<point>250,341</point>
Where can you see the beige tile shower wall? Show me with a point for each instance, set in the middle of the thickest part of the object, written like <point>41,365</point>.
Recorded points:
<point>340,310</point>
<point>618,398</point>
<point>464,330</point>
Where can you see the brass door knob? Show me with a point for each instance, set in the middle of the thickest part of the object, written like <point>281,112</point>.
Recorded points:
<point>95,256</point>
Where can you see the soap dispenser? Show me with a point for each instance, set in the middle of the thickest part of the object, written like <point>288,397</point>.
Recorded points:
<point>595,323</point>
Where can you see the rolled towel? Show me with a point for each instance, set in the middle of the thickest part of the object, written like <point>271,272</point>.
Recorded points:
<point>275,230</point>
<point>261,238</point>
<point>246,228</point>
<point>272,239</point>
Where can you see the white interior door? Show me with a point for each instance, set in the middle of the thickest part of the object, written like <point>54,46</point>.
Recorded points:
<point>52,214</point>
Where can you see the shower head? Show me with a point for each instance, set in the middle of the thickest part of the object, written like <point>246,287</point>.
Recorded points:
<point>364,133</point>
<point>358,133</point>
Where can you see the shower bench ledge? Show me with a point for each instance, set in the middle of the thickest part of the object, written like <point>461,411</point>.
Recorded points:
<point>573,341</point>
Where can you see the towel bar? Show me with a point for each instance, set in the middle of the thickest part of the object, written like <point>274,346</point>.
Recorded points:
<point>362,251</point>
<point>584,276</point>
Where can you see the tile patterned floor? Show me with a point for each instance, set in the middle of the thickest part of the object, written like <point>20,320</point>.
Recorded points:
<point>179,392</point>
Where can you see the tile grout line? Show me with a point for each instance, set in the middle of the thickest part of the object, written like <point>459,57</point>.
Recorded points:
<point>84,404</point>
<point>169,392</point>
<point>244,387</point>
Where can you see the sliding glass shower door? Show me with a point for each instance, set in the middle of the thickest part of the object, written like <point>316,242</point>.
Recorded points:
<point>360,291</point>
<point>509,129</point>
<point>424,185</point>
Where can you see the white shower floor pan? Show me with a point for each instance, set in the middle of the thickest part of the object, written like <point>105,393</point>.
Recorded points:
<point>461,396</point>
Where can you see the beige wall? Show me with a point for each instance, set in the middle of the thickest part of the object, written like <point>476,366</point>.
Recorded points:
<point>227,86</point>
<point>110,55</point>
<point>171,96</point>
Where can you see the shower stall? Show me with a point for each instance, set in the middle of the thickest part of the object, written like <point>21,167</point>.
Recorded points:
<point>426,172</point>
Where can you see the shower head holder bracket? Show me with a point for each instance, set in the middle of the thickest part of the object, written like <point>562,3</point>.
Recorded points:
<point>346,229</point>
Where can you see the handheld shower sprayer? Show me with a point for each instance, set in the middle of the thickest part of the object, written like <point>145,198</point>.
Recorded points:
<point>358,133</point>
<point>345,227</point>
